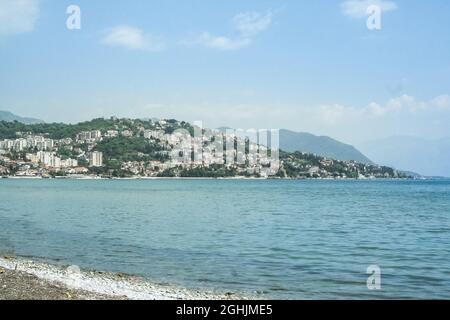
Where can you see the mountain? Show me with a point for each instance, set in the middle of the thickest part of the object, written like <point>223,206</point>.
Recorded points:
<point>323,146</point>
<point>427,157</point>
<point>8,116</point>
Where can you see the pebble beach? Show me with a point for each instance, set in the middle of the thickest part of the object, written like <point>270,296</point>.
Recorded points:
<point>22,279</point>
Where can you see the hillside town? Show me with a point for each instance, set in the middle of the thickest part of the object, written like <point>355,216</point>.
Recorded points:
<point>129,148</point>
<point>37,156</point>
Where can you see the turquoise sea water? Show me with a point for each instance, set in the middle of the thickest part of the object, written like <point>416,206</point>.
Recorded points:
<point>279,239</point>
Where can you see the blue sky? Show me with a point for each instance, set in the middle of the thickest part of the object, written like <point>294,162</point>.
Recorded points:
<point>303,65</point>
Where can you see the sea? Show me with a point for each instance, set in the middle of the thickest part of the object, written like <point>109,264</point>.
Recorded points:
<point>269,239</point>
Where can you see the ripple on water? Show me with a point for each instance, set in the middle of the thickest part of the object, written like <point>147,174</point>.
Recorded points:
<point>283,239</point>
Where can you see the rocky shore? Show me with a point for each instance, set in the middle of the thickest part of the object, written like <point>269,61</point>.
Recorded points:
<point>22,279</point>
<point>17,285</point>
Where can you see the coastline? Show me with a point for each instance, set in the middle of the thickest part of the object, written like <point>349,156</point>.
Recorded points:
<point>21,277</point>
<point>211,178</point>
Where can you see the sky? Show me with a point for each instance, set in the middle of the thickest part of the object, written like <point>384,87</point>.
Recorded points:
<point>310,66</point>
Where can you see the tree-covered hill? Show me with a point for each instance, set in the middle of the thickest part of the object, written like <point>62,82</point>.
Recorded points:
<point>8,129</point>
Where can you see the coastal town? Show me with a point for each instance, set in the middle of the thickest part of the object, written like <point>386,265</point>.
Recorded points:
<point>131,148</point>
<point>37,156</point>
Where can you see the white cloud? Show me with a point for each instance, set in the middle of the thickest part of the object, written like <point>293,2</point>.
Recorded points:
<point>132,38</point>
<point>442,102</point>
<point>247,26</point>
<point>402,105</point>
<point>18,16</point>
<point>403,115</point>
<point>333,114</point>
<point>220,42</point>
<point>358,8</point>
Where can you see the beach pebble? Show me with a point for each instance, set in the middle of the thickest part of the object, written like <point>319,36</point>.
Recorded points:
<point>98,284</point>
<point>73,269</point>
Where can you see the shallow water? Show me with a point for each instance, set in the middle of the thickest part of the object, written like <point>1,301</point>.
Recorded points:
<point>280,239</point>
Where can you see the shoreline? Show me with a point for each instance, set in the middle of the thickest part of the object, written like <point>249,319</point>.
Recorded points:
<point>52,282</point>
<point>210,178</point>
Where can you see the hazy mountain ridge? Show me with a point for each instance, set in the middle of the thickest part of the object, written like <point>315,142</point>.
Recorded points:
<point>321,145</point>
<point>9,116</point>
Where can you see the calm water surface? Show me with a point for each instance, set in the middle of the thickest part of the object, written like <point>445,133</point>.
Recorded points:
<point>279,239</point>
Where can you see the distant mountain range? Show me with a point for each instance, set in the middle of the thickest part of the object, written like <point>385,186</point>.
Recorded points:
<point>321,145</point>
<point>427,157</point>
<point>8,116</point>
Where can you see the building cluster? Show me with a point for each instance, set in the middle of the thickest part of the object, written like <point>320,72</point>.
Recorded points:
<point>39,155</point>
<point>324,168</point>
<point>36,155</point>
<point>89,136</point>
<point>51,160</point>
<point>33,155</point>
<point>38,143</point>
<point>204,150</point>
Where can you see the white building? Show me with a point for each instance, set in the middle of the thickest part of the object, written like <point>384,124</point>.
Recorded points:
<point>96,134</point>
<point>112,133</point>
<point>69,163</point>
<point>34,158</point>
<point>153,134</point>
<point>48,144</point>
<point>89,136</point>
<point>96,159</point>
<point>20,144</point>
<point>49,159</point>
